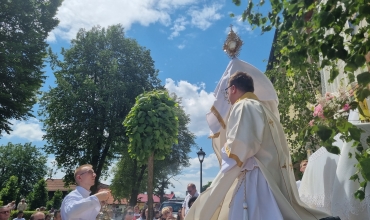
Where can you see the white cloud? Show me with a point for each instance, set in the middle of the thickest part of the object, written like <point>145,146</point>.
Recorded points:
<point>29,130</point>
<point>239,26</point>
<point>196,102</point>
<point>209,162</point>
<point>74,15</point>
<point>204,18</point>
<point>181,46</point>
<point>179,25</point>
<point>191,174</point>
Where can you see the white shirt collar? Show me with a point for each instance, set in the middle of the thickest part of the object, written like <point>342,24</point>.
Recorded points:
<point>85,193</point>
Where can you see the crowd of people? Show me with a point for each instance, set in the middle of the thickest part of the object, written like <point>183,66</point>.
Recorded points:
<point>39,214</point>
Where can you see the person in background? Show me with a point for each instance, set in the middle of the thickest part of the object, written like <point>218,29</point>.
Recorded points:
<point>4,212</point>
<point>79,204</point>
<point>48,217</point>
<point>302,168</point>
<point>165,213</point>
<point>12,205</point>
<point>19,216</point>
<point>179,215</point>
<point>157,215</point>
<point>192,190</point>
<point>57,215</point>
<point>22,206</point>
<point>136,212</point>
<point>128,214</point>
<point>191,201</point>
<point>38,216</point>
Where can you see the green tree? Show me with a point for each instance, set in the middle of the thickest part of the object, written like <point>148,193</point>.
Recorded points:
<point>11,191</point>
<point>24,28</point>
<point>129,175</point>
<point>24,160</point>
<point>97,82</point>
<point>39,195</point>
<point>339,34</point>
<point>204,187</point>
<point>56,201</point>
<point>152,128</point>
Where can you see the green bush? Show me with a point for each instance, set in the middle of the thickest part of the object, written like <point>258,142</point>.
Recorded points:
<point>26,214</point>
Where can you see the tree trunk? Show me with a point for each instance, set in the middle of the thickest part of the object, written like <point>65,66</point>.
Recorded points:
<point>136,184</point>
<point>150,186</point>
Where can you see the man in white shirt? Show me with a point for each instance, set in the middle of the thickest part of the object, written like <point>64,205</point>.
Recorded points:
<point>22,206</point>
<point>19,216</point>
<point>78,204</point>
<point>192,191</point>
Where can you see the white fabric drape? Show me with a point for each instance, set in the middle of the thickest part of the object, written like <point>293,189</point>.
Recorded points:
<point>344,203</point>
<point>326,186</point>
<point>263,89</point>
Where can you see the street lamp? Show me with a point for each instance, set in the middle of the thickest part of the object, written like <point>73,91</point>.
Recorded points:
<point>201,155</point>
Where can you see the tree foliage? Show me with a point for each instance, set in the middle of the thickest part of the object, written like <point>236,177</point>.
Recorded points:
<point>204,187</point>
<point>314,35</point>
<point>56,201</point>
<point>26,161</point>
<point>24,28</point>
<point>128,175</point>
<point>39,195</point>
<point>152,128</point>
<point>97,82</point>
<point>11,190</point>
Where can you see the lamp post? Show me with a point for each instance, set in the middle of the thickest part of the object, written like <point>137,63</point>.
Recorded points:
<point>201,155</point>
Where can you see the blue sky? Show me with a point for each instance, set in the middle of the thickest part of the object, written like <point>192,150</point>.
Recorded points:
<point>185,38</point>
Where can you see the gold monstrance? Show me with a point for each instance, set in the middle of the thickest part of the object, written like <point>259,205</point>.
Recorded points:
<point>233,44</point>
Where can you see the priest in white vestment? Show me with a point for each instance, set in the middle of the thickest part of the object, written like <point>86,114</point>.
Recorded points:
<point>256,166</point>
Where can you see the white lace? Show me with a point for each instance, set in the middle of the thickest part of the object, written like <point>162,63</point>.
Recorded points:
<point>317,154</point>
<point>344,208</point>
<point>317,201</point>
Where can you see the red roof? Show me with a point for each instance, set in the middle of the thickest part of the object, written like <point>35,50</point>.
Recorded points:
<point>144,198</point>
<point>55,184</point>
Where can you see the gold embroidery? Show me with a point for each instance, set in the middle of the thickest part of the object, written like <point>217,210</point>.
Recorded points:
<point>218,116</point>
<point>271,122</point>
<point>247,95</point>
<point>290,165</point>
<point>214,135</point>
<point>233,156</point>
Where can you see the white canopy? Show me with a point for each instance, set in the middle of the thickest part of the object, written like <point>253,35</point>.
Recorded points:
<point>263,89</point>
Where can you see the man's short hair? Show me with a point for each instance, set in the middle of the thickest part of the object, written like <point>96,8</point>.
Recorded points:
<point>300,165</point>
<point>78,170</point>
<point>242,81</point>
<point>192,185</point>
<point>20,212</point>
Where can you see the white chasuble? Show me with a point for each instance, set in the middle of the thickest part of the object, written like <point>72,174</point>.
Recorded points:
<point>261,138</point>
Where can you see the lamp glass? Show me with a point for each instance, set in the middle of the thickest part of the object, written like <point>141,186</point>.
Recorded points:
<point>201,155</point>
